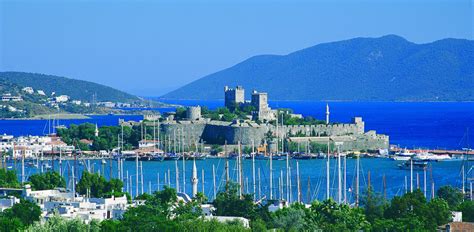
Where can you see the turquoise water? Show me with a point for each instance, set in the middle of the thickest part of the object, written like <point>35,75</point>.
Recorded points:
<point>443,173</point>
<point>426,125</point>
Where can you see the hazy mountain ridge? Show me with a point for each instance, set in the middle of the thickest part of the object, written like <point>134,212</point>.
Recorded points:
<point>388,68</point>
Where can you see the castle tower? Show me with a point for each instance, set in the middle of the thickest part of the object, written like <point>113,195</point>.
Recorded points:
<point>193,113</point>
<point>327,114</point>
<point>194,179</point>
<point>96,133</point>
<point>233,97</point>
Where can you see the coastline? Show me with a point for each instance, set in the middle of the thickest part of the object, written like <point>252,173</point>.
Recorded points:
<point>51,116</point>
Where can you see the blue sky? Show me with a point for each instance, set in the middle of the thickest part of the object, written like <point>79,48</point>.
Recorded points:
<point>151,47</point>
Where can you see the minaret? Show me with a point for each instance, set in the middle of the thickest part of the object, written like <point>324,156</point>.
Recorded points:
<point>194,179</point>
<point>96,131</point>
<point>327,113</point>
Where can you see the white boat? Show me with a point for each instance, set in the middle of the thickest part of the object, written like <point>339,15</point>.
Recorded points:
<point>403,155</point>
<point>401,158</point>
<point>432,157</point>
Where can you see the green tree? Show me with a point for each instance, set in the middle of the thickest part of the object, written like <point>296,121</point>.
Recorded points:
<point>98,186</point>
<point>48,180</point>
<point>452,195</point>
<point>330,216</point>
<point>467,209</point>
<point>19,216</point>
<point>8,179</point>
<point>161,212</point>
<point>413,212</point>
<point>290,218</point>
<point>373,205</point>
<point>229,203</point>
<point>57,223</point>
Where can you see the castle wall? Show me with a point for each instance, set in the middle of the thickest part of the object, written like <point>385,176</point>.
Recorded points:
<point>214,132</point>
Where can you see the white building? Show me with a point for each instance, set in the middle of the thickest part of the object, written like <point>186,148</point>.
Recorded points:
<point>76,102</point>
<point>147,143</point>
<point>41,92</point>
<point>6,203</point>
<point>28,90</point>
<point>69,206</point>
<point>62,98</point>
<point>8,97</point>
<point>22,151</point>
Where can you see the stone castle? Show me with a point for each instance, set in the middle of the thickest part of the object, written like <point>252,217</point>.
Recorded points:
<point>194,128</point>
<point>235,98</point>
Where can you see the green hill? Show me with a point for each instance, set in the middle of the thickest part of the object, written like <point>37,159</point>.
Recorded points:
<point>76,89</point>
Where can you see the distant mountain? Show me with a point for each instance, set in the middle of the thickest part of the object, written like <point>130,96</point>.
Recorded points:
<point>76,89</point>
<point>388,68</point>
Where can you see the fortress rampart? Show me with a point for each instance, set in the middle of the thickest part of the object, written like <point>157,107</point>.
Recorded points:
<point>217,132</point>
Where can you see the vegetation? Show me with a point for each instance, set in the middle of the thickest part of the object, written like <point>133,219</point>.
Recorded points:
<point>289,119</point>
<point>97,186</point>
<point>47,180</point>
<point>227,115</point>
<point>60,224</point>
<point>76,89</point>
<point>107,139</point>
<point>8,179</point>
<point>162,211</point>
<point>19,216</point>
<point>451,195</point>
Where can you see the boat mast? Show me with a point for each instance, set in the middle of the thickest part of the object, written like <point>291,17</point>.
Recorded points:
<point>203,182</point>
<point>184,165</point>
<point>271,172</point>
<point>417,180</point>
<point>424,181</point>
<point>328,194</point>
<point>241,181</point>
<point>411,174</point>
<point>137,175</point>
<point>177,175</point>
<point>214,181</point>
<point>339,181</point>
<point>60,162</point>
<point>73,184</point>
<point>280,187</point>
<point>141,175</point>
<point>128,186</point>
<point>253,175</point>
<point>23,167</point>
<point>345,181</point>
<point>298,181</point>
<point>157,181</point>
<point>226,166</point>
<point>406,184</point>
<point>463,179</point>
<point>288,176</point>
<point>357,180</point>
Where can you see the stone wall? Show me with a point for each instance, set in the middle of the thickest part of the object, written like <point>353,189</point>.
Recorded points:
<point>248,133</point>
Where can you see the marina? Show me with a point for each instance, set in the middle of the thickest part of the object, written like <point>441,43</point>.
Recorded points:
<point>156,175</point>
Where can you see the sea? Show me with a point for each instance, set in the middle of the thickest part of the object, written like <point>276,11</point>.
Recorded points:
<point>409,124</point>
